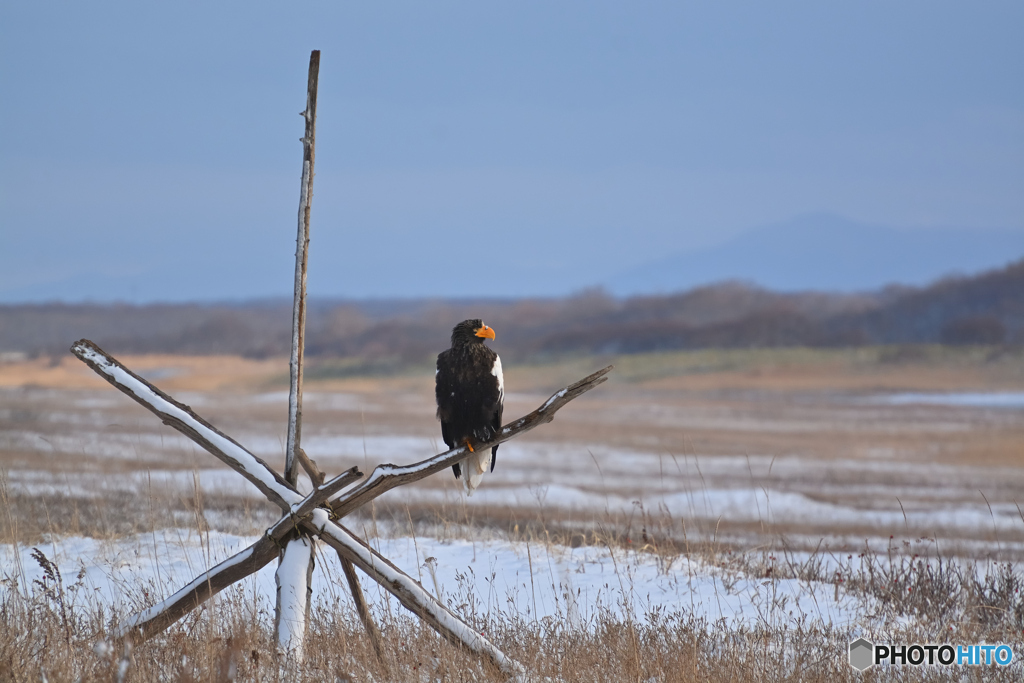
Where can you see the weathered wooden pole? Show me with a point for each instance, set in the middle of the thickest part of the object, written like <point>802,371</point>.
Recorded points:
<point>295,570</point>
<point>319,521</point>
<point>301,261</point>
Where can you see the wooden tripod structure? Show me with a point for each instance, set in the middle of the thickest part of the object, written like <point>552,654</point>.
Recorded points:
<point>318,515</point>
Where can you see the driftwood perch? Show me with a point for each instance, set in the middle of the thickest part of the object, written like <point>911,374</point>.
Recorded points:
<point>386,477</point>
<point>310,513</point>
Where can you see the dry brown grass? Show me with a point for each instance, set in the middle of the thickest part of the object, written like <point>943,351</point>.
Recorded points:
<point>59,632</point>
<point>194,373</point>
<point>909,368</point>
<point>775,402</point>
<point>227,644</point>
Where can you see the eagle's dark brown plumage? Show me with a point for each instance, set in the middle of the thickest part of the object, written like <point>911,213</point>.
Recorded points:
<point>470,390</point>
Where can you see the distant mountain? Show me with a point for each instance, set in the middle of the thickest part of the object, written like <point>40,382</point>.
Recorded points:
<point>826,253</point>
<point>984,309</point>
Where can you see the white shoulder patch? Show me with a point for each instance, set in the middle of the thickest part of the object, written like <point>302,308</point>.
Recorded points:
<point>496,371</point>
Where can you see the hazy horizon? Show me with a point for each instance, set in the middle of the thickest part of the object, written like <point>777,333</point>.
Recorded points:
<point>150,153</point>
<point>811,253</point>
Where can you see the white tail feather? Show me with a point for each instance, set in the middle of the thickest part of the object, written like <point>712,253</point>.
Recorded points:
<point>473,469</point>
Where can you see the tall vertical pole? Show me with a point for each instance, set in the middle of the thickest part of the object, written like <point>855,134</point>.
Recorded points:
<point>295,570</point>
<point>301,260</point>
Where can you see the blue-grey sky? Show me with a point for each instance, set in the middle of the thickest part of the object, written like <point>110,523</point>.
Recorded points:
<point>150,151</point>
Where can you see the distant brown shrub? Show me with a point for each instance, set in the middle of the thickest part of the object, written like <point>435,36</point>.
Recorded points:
<point>982,329</point>
<point>985,309</point>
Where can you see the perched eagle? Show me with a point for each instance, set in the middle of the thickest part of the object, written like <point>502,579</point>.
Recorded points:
<point>469,393</point>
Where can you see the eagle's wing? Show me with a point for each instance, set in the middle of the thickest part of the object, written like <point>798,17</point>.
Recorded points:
<point>442,394</point>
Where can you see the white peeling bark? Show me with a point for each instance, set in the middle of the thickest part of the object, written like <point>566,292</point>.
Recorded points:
<point>293,585</point>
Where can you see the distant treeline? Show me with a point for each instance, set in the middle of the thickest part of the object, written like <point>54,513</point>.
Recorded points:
<point>983,309</point>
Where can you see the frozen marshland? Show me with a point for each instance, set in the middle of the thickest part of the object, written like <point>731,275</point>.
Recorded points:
<point>703,516</point>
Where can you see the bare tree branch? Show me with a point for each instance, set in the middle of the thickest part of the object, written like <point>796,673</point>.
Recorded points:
<point>362,609</point>
<point>407,590</point>
<point>309,464</point>
<point>182,418</point>
<point>353,580</point>
<point>301,261</point>
<point>386,477</point>
<point>153,620</point>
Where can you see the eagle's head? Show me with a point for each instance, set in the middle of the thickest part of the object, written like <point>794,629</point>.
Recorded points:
<point>471,332</point>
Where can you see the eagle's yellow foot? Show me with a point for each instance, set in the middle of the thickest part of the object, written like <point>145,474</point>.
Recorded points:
<point>470,446</point>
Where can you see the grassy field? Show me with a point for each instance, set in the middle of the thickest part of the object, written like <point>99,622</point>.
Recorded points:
<point>885,483</point>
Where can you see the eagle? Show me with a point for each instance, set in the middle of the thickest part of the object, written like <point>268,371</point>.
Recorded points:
<point>469,390</point>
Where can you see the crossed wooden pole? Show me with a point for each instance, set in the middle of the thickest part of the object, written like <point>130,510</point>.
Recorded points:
<point>318,514</point>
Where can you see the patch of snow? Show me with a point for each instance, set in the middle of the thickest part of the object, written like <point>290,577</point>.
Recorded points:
<point>219,481</point>
<point>1004,399</point>
<point>551,400</point>
<point>482,580</point>
<point>318,400</point>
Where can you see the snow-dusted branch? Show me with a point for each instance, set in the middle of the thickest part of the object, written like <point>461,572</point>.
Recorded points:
<point>314,500</point>
<point>407,590</point>
<point>153,620</point>
<point>386,477</point>
<point>181,417</point>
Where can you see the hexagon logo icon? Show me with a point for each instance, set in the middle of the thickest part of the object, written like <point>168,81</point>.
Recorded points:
<point>861,654</point>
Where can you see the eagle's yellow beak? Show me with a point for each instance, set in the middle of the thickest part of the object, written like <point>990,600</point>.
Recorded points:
<point>485,332</point>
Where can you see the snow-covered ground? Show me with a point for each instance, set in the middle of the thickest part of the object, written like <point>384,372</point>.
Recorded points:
<point>480,579</point>
<point>98,444</point>
<point>974,399</point>
<point>892,484</point>
<point>594,480</point>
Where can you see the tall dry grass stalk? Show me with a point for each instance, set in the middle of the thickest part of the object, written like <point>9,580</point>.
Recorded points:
<point>55,629</point>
